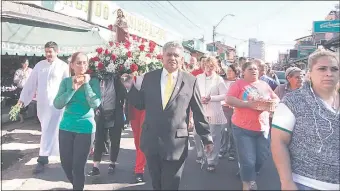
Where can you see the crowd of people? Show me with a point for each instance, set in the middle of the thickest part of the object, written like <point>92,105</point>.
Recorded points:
<point>238,111</point>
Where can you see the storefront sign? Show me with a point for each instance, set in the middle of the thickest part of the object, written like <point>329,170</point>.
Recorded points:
<point>72,8</point>
<point>38,50</point>
<point>304,51</point>
<point>326,26</point>
<point>104,13</point>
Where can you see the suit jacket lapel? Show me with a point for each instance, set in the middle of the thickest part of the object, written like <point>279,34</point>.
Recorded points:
<point>177,88</point>
<point>157,89</point>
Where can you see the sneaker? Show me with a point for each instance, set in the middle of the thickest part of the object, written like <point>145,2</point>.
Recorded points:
<point>199,160</point>
<point>106,153</point>
<point>222,154</point>
<point>252,185</point>
<point>231,157</point>
<point>94,172</point>
<point>111,168</point>
<point>139,178</point>
<point>39,168</point>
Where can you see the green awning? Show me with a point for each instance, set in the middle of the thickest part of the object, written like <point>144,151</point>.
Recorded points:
<point>25,37</point>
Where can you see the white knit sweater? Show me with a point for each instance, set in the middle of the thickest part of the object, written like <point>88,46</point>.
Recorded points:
<point>215,87</point>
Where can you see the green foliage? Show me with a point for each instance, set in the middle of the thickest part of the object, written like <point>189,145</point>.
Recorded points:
<point>14,112</point>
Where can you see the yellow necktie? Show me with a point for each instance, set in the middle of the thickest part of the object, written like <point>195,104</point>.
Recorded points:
<point>168,90</point>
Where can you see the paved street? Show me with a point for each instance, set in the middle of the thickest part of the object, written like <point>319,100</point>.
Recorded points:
<point>21,146</point>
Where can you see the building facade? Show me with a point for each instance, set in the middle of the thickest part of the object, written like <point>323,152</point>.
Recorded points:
<point>225,52</point>
<point>256,49</point>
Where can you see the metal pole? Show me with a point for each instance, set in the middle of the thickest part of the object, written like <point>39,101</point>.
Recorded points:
<point>214,34</point>
<point>214,28</point>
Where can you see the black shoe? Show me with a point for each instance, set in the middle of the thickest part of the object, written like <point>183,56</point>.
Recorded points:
<point>111,168</point>
<point>222,154</point>
<point>39,168</point>
<point>199,160</point>
<point>139,178</point>
<point>94,172</point>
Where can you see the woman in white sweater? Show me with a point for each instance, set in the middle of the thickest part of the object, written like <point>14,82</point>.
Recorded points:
<point>213,91</point>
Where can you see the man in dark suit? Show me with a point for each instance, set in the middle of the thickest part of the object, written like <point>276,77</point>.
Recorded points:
<point>167,95</point>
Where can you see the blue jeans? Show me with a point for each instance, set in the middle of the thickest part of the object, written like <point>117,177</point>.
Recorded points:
<point>252,150</point>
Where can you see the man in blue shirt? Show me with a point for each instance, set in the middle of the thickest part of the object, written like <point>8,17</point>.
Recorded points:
<point>263,68</point>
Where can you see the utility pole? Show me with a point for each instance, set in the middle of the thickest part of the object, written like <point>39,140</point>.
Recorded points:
<point>214,34</point>
<point>214,29</point>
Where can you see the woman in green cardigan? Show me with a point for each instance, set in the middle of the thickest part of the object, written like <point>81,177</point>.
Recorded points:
<point>79,95</point>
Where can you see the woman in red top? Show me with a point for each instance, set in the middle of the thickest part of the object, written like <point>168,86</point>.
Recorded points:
<point>250,126</point>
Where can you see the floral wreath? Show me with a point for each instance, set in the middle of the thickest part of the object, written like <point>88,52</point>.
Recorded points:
<point>136,55</point>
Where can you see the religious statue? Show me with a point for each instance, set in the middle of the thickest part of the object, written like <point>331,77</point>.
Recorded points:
<point>121,27</point>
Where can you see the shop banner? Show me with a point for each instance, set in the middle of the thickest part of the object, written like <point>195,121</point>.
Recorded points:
<point>38,50</point>
<point>326,26</point>
<point>77,9</point>
<point>304,51</point>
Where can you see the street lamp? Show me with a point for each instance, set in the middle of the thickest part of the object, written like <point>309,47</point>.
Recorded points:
<point>214,28</point>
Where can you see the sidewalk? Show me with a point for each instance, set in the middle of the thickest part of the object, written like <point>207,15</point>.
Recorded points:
<point>20,148</point>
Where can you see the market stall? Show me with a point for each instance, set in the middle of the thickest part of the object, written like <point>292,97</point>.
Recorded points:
<point>25,31</point>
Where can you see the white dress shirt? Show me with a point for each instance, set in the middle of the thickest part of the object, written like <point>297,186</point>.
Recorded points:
<point>164,78</point>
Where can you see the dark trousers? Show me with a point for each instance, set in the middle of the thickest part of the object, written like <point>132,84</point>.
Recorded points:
<point>74,150</point>
<point>115,134</point>
<point>227,140</point>
<point>165,175</point>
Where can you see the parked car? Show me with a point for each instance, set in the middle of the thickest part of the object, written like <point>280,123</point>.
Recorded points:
<point>282,77</point>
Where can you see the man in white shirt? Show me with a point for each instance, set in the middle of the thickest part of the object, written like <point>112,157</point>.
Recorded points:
<point>45,80</point>
<point>20,78</point>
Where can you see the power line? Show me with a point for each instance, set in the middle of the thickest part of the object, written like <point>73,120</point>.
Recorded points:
<point>269,16</point>
<point>266,42</point>
<point>184,16</point>
<point>206,21</point>
<point>160,7</point>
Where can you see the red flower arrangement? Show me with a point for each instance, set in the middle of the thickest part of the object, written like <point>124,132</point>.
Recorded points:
<point>135,55</point>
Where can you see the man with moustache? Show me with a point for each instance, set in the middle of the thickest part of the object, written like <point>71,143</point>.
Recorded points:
<point>167,95</point>
<point>45,80</point>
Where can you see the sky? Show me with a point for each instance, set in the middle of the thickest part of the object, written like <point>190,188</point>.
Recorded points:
<point>277,23</point>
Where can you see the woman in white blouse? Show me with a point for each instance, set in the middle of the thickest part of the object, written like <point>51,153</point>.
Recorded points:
<point>213,91</point>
